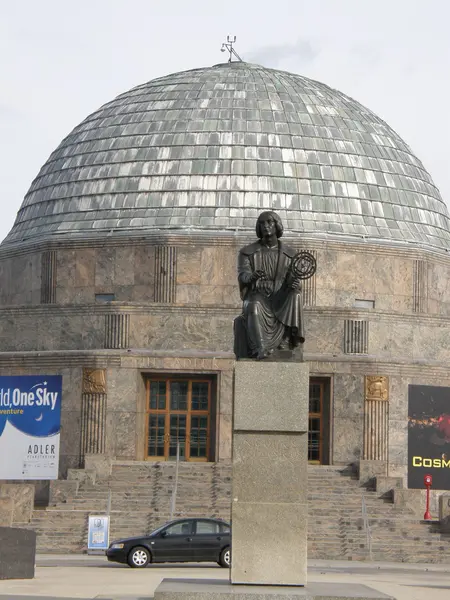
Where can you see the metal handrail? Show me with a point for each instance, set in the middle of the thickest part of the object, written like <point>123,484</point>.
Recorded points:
<point>366,526</point>
<point>173,500</point>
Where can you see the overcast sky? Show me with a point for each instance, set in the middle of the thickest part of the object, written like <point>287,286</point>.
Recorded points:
<point>61,60</point>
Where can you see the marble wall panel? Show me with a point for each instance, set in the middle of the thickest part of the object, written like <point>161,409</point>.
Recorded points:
<point>124,266</point>
<point>393,339</point>
<point>48,332</point>
<point>189,265</point>
<point>22,278</point>
<point>188,295</point>
<point>346,265</point>
<point>66,275</point>
<point>5,280</point>
<point>431,341</point>
<point>348,396</point>
<point>326,269</point>
<point>225,295</point>
<point>82,295</point>
<point>175,331</point>
<point>70,431</point>
<point>398,440</point>
<point>388,302</point>
<point>345,298</point>
<point>128,271</point>
<point>438,286</point>
<point>364,278</point>
<point>398,398</point>
<point>122,389</point>
<point>71,331</point>
<point>225,395</point>
<point>25,333</point>
<point>325,296</point>
<point>324,334</point>
<point>402,276</point>
<point>144,267</point>
<point>124,293</point>
<point>124,428</point>
<point>72,381</point>
<point>347,439</point>
<point>105,266</point>
<point>36,274</point>
<point>8,327</point>
<point>224,438</point>
<point>85,259</point>
<point>143,293</point>
<point>218,266</point>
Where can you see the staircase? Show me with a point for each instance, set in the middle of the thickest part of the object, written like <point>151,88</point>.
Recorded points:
<point>140,500</point>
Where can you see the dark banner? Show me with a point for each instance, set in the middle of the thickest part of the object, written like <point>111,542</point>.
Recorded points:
<point>429,436</point>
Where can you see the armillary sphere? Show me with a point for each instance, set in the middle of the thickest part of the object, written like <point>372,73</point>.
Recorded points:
<point>303,265</point>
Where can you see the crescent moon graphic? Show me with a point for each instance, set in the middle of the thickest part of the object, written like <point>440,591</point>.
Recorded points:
<point>40,417</point>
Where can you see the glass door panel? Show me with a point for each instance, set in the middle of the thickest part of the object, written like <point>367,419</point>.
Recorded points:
<point>198,448</point>
<point>156,436</point>
<point>314,439</point>
<point>157,395</point>
<point>177,435</point>
<point>200,395</point>
<point>316,392</point>
<point>179,395</point>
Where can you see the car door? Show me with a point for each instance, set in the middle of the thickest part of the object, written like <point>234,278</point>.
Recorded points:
<point>173,543</point>
<point>207,540</point>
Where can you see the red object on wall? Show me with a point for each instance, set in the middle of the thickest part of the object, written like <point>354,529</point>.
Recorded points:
<point>444,425</point>
<point>427,480</point>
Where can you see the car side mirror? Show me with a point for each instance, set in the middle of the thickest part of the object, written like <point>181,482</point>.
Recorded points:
<point>163,534</point>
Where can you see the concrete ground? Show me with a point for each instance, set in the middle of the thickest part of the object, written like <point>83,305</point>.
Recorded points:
<point>88,577</point>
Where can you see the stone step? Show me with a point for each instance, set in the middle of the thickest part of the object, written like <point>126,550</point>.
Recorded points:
<point>141,496</point>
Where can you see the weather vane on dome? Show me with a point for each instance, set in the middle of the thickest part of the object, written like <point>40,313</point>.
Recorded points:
<point>228,45</point>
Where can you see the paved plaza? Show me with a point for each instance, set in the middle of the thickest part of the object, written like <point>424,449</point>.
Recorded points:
<point>92,577</point>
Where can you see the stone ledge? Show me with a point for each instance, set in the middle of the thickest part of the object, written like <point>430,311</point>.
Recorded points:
<point>369,470</point>
<point>22,499</point>
<point>385,485</point>
<point>231,238</point>
<point>213,589</point>
<point>63,490</point>
<point>6,512</point>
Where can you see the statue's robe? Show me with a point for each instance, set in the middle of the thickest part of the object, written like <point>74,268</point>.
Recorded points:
<point>274,308</point>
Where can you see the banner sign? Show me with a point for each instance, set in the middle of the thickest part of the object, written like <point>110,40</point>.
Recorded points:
<point>98,533</point>
<point>429,436</point>
<point>30,422</point>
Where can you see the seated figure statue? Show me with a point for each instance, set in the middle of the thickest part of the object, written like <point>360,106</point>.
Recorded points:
<point>272,317</point>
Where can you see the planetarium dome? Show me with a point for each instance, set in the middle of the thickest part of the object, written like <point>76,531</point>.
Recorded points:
<point>208,149</point>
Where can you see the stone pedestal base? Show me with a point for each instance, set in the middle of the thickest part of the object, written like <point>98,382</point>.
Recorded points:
<point>270,457</point>
<point>213,589</point>
<point>17,553</point>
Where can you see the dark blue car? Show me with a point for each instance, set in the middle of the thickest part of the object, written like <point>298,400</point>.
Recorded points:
<point>182,540</point>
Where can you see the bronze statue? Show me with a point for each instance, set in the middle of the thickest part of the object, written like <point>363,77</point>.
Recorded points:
<point>270,275</point>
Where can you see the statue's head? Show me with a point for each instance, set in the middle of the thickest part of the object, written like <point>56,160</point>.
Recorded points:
<point>264,216</point>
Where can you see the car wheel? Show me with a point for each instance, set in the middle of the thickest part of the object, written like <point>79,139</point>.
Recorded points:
<point>225,558</point>
<point>139,557</point>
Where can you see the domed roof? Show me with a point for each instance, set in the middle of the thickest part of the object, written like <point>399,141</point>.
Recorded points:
<point>208,149</point>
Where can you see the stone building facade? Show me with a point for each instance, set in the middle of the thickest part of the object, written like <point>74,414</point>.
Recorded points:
<point>120,271</point>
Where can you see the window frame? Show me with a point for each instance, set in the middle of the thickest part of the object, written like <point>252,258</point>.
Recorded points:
<point>167,412</point>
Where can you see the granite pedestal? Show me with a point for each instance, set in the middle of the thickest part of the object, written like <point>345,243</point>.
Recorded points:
<point>270,456</point>
<point>17,553</point>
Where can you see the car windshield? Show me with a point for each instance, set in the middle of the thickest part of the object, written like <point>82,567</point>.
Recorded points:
<point>160,528</point>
